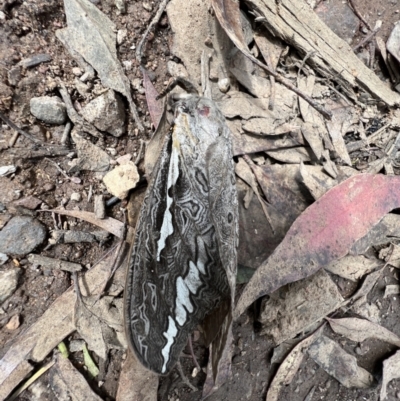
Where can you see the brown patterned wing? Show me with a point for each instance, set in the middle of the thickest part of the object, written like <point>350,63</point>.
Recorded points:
<point>177,273</point>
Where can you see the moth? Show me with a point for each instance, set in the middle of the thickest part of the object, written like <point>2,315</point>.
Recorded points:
<point>183,259</point>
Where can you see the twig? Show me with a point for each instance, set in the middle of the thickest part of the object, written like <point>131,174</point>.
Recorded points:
<point>184,378</point>
<point>49,151</point>
<point>66,133</point>
<point>139,156</point>
<point>192,353</point>
<point>303,62</point>
<point>356,12</point>
<point>352,147</point>
<point>75,180</point>
<point>370,36</point>
<point>13,139</point>
<point>153,22</point>
<point>73,115</point>
<point>20,131</point>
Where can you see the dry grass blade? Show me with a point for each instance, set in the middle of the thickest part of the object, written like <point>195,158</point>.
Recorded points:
<point>31,380</point>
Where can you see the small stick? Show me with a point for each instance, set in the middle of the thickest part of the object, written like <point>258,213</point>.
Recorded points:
<point>19,130</point>
<point>356,12</point>
<point>352,147</point>
<point>184,378</point>
<point>66,132</point>
<point>192,353</point>
<point>13,139</point>
<point>370,36</point>
<point>139,156</point>
<point>153,22</point>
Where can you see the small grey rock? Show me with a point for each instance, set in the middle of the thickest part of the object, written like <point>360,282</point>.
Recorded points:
<point>76,196</point>
<point>4,258</point>
<point>8,283</point>
<point>21,235</point>
<point>147,6</point>
<point>49,109</point>
<point>107,113</point>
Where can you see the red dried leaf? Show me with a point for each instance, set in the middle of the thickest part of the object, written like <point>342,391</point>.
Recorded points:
<point>155,106</point>
<point>324,232</point>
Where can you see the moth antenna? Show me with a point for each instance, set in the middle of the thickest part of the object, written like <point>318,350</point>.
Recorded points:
<point>180,81</point>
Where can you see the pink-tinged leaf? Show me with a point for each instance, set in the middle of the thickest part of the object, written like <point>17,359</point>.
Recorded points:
<point>324,232</point>
<point>155,106</point>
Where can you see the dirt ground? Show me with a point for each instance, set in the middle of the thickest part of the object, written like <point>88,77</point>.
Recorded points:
<point>28,28</point>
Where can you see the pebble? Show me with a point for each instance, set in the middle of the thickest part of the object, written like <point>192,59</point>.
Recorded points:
<point>224,85</point>
<point>49,109</point>
<point>121,179</point>
<point>77,71</point>
<point>30,202</point>
<point>147,6</point>
<point>13,323</point>
<point>8,283</point>
<point>107,113</point>
<point>21,235</point>
<point>6,170</point>
<point>76,196</point>
<point>3,258</point>
<point>121,35</point>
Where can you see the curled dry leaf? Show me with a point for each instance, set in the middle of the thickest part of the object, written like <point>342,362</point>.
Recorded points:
<point>290,366</point>
<point>391,370</point>
<point>324,232</point>
<point>339,364</point>
<point>359,330</point>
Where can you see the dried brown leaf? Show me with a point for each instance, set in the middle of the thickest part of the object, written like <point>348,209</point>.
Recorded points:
<point>353,267</point>
<point>324,232</point>
<point>359,330</point>
<point>339,364</point>
<point>155,106</point>
<point>91,34</point>
<point>289,367</point>
<point>296,307</point>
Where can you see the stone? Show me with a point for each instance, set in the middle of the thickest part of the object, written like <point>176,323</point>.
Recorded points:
<point>8,283</point>
<point>6,170</point>
<point>3,258</point>
<point>76,197</point>
<point>21,235</point>
<point>120,180</point>
<point>49,109</point>
<point>13,323</point>
<point>107,113</point>
<point>30,202</point>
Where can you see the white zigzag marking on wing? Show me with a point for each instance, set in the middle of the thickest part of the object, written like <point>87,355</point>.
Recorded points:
<point>190,284</point>
<point>170,336</point>
<point>167,227</point>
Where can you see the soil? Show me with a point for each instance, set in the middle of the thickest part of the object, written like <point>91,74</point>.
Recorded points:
<point>28,28</point>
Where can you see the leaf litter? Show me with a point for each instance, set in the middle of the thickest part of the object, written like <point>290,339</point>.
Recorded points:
<point>295,156</point>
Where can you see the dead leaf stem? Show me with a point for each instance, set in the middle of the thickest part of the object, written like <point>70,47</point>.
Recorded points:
<point>154,21</point>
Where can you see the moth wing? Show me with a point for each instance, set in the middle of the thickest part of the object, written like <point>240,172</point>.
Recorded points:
<point>223,201</point>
